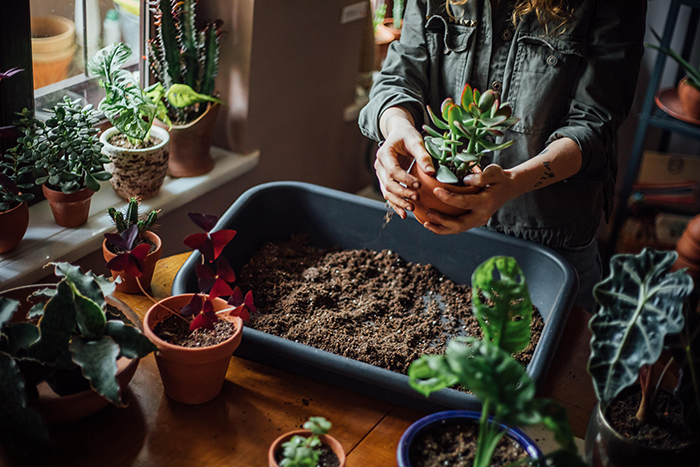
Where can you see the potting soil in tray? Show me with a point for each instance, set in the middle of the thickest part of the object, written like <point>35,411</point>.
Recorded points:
<point>370,306</point>
<point>176,330</point>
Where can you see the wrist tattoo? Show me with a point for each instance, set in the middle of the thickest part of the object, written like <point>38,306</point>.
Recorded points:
<point>548,173</point>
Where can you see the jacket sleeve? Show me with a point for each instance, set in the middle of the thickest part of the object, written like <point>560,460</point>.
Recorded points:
<point>603,93</point>
<point>403,80</point>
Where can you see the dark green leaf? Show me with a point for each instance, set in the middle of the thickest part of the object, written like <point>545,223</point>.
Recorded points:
<point>84,284</point>
<point>685,349</point>
<point>102,176</point>
<point>90,318</point>
<point>7,309</point>
<point>56,326</point>
<point>36,311</point>
<point>98,362</point>
<point>91,183</point>
<point>431,373</point>
<point>132,343</point>
<point>21,336</point>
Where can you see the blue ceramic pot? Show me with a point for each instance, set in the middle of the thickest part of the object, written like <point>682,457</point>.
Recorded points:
<point>449,416</point>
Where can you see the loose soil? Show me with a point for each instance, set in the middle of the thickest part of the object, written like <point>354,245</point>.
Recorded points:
<point>139,240</point>
<point>176,330</point>
<point>121,141</point>
<point>327,459</point>
<point>454,444</point>
<point>665,431</point>
<point>370,306</point>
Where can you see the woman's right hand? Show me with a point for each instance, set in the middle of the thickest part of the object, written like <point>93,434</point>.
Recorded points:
<point>403,144</point>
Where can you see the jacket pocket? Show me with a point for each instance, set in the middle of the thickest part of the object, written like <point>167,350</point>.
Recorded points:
<point>543,76</point>
<point>448,48</point>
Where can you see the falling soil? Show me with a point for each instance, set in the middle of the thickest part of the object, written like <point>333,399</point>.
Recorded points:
<point>454,444</point>
<point>121,141</point>
<point>327,459</point>
<point>139,240</point>
<point>370,306</point>
<point>666,429</point>
<point>176,330</point>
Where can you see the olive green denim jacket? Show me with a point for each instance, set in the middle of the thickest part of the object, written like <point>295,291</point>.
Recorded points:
<point>578,83</point>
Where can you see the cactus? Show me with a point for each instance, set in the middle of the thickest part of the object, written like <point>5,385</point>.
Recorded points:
<point>124,220</point>
<point>397,13</point>
<point>183,54</point>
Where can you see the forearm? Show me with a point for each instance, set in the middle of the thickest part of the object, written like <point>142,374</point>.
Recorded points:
<point>394,117</point>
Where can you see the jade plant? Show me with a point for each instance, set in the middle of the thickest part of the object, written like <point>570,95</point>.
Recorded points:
<point>302,451</point>
<point>476,119</point>
<point>64,152</point>
<point>487,369</point>
<point>184,58</point>
<point>643,310</point>
<point>72,330</point>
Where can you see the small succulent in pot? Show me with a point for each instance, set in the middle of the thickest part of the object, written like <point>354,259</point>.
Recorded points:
<point>302,451</point>
<point>124,220</point>
<point>476,118</point>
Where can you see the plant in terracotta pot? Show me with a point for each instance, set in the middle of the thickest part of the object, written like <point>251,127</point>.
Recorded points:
<point>644,310</point>
<point>196,334</point>
<point>71,344</point>
<point>689,86</point>
<point>132,232</point>
<point>65,157</point>
<point>185,58</point>
<point>310,447</point>
<point>476,119</point>
<point>487,369</point>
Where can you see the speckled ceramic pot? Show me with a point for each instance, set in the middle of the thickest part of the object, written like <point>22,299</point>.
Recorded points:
<point>137,172</point>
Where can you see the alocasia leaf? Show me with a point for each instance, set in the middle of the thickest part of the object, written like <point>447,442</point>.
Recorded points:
<point>98,362</point>
<point>132,343</point>
<point>506,314</point>
<point>640,303</point>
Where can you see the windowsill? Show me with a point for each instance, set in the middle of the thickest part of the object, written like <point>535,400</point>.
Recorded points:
<point>46,242</point>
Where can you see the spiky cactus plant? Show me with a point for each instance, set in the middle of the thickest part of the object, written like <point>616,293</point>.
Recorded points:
<point>182,54</point>
<point>124,220</point>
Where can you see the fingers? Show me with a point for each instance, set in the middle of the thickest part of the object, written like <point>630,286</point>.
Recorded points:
<point>456,200</point>
<point>442,224</point>
<point>491,175</point>
<point>416,147</point>
<point>392,175</point>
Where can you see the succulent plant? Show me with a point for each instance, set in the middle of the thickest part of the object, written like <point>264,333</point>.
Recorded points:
<point>303,451</point>
<point>63,153</point>
<point>476,118</point>
<point>124,220</point>
<point>397,13</point>
<point>10,195</point>
<point>183,54</point>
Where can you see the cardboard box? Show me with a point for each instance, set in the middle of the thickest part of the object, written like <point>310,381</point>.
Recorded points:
<point>668,167</point>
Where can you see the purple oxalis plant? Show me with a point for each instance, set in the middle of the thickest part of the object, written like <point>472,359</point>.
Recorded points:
<point>133,260</point>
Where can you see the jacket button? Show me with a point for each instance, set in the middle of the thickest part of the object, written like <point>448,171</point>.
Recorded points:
<point>507,35</point>
<point>552,60</point>
<point>496,86</point>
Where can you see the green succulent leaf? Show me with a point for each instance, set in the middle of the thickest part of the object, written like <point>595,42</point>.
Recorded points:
<point>641,302</point>
<point>98,362</point>
<point>447,104</point>
<point>467,96</point>
<point>317,425</point>
<point>441,124</point>
<point>431,131</point>
<point>433,145</point>
<point>132,343</point>
<point>495,147</point>
<point>464,157</point>
<point>444,175</point>
<point>487,100</point>
<point>91,183</point>
<point>102,176</point>
<point>505,314</point>
<point>495,121</point>
<point>56,326</point>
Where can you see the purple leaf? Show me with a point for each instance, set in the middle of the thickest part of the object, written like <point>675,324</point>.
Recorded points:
<point>204,221</point>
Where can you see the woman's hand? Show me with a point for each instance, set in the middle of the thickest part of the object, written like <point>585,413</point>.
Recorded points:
<point>403,144</point>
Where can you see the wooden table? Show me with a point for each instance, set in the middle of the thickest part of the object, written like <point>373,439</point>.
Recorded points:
<point>258,403</point>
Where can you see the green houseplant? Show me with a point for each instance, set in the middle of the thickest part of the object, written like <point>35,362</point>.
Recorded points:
<point>476,120</point>
<point>72,339</point>
<point>184,57</point>
<point>132,231</point>
<point>65,157</point>
<point>643,309</point>
<point>487,369</point>
<point>303,448</point>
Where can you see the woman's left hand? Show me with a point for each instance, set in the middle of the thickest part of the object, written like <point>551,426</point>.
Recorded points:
<point>497,188</point>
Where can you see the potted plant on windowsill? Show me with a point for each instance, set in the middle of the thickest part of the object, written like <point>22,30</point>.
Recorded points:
<point>131,233</point>
<point>394,23</point>
<point>644,310</point>
<point>478,118</point>
<point>185,59</point>
<point>66,350</point>
<point>310,447</point>
<point>65,158</point>
<point>196,334</point>
<point>487,369</point>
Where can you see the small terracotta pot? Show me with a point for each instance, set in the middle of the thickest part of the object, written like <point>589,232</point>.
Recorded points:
<point>70,210</point>
<point>190,144</point>
<point>13,226</point>
<point>427,199</point>
<point>137,172</point>
<point>191,375</point>
<point>382,38</point>
<point>128,283</point>
<point>53,47</point>
<point>689,98</point>
<point>325,439</point>
<point>389,24</point>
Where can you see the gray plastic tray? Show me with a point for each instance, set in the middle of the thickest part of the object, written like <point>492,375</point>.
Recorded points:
<point>275,211</point>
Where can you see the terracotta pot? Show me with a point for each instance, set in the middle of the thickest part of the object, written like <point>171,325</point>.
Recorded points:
<point>128,283</point>
<point>688,249</point>
<point>607,448</point>
<point>382,38</point>
<point>57,409</point>
<point>689,98</point>
<point>53,47</point>
<point>427,199</point>
<point>190,144</point>
<point>441,418</point>
<point>389,24</point>
<point>325,439</point>
<point>13,226</point>
<point>70,210</point>
<point>137,172</point>
<point>191,375</point>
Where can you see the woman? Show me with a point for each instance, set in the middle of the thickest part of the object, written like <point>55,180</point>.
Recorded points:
<point>569,70</point>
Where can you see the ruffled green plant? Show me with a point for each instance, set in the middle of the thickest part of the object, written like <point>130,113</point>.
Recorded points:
<point>73,331</point>
<point>184,58</point>
<point>487,369</point>
<point>124,220</point>
<point>302,451</point>
<point>477,118</point>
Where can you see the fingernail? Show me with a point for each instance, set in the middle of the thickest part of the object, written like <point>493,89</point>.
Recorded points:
<point>409,208</point>
<point>428,169</point>
<point>467,179</point>
<point>416,185</point>
<point>414,197</point>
